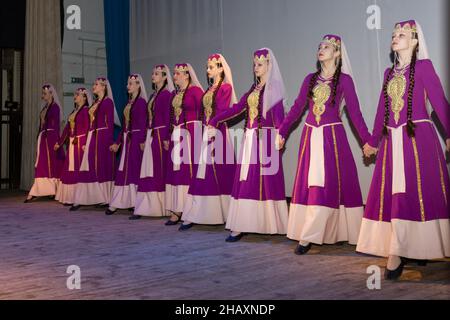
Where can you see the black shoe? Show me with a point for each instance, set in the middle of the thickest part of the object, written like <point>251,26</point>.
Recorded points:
<point>172,223</point>
<point>75,208</point>
<point>51,197</point>
<point>302,249</point>
<point>394,274</point>
<point>101,205</point>
<point>30,200</point>
<point>231,238</point>
<point>135,217</point>
<point>67,204</point>
<point>185,227</point>
<point>110,212</point>
<point>131,209</point>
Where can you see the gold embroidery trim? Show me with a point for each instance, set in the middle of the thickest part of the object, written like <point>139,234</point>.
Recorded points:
<point>336,154</point>
<point>419,179</point>
<point>383,181</point>
<point>297,178</point>
<point>322,92</point>
<point>396,90</point>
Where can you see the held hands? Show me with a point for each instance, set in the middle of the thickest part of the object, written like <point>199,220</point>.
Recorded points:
<point>114,148</point>
<point>369,150</point>
<point>447,142</point>
<point>211,132</point>
<point>56,147</point>
<point>83,148</point>
<point>142,146</point>
<point>166,145</point>
<point>279,142</point>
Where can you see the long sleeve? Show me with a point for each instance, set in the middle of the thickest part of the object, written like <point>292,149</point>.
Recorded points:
<point>436,95</point>
<point>223,98</point>
<point>64,135</point>
<point>197,96</point>
<point>297,109</point>
<point>278,114</point>
<point>378,125</point>
<point>354,110</point>
<point>53,118</point>
<point>165,101</point>
<point>119,139</point>
<point>232,112</point>
<point>140,120</point>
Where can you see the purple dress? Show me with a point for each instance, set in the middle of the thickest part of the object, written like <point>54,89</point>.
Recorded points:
<point>130,139</point>
<point>98,163</point>
<point>48,163</point>
<point>185,124</point>
<point>151,187</point>
<point>209,193</point>
<point>258,199</point>
<point>75,133</point>
<point>408,210</point>
<point>327,205</point>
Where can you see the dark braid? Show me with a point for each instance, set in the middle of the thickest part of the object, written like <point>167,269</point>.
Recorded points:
<point>261,94</point>
<point>213,106</point>
<point>312,82</point>
<point>412,69</point>
<point>336,77</point>
<point>172,116</point>
<point>246,106</point>
<point>386,101</point>
<point>155,94</point>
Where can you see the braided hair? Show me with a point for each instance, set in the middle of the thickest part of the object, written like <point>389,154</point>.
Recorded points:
<point>213,106</point>
<point>156,95</point>
<point>172,116</point>
<point>410,126</point>
<point>336,78</point>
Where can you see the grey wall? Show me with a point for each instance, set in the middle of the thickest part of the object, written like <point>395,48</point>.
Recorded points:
<point>174,31</point>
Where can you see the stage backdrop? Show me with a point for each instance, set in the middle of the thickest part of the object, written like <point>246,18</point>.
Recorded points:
<point>163,31</point>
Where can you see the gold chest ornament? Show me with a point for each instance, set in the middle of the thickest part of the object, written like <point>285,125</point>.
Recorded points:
<point>92,111</point>
<point>126,114</point>
<point>253,103</point>
<point>207,104</point>
<point>150,109</point>
<point>396,90</point>
<point>72,117</point>
<point>176,104</point>
<point>321,94</point>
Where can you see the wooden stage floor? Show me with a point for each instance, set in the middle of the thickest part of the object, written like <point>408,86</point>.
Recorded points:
<point>143,259</point>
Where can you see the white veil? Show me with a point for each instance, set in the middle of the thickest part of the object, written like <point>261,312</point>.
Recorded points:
<point>139,78</point>
<point>111,96</point>
<point>193,75</point>
<point>228,77</point>
<point>275,90</point>
<point>55,100</point>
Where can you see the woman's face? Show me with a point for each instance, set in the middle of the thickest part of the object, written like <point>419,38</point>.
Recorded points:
<point>327,52</point>
<point>79,98</point>
<point>402,40</point>
<point>46,95</point>
<point>213,70</point>
<point>260,67</point>
<point>180,78</point>
<point>133,86</point>
<point>157,76</point>
<point>98,88</point>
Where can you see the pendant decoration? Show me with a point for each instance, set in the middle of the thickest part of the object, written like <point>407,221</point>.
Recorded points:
<point>321,94</point>
<point>396,90</point>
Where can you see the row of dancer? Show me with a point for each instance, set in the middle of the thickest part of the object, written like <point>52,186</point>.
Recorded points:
<point>407,210</point>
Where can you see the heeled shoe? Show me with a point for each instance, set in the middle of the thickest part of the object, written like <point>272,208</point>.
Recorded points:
<point>231,238</point>
<point>395,274</point>
<point>110,212</point>
<point>302,249</point>
<point>135,217</point>
<point>30,200</point>
<point>75,208</point>
<point>172,223</point>
<point>185,227</point>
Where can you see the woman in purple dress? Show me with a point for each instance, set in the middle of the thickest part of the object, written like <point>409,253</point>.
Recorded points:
<point>209,193</point>
<point>408,209</point>
<point>151,186</point>
<point>49,162</point>
<point>98,162</point>
<point>185,128</point>
<point>258,199</point>
<point>75,133</point>
<point>327,205</point>
<point>131,141</point>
